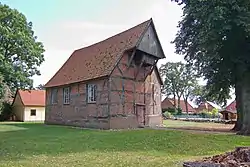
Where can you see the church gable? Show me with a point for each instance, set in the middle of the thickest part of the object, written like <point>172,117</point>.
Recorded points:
<point>150,43</point>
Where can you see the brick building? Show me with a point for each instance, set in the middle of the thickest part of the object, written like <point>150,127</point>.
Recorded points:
<point>112,84</point>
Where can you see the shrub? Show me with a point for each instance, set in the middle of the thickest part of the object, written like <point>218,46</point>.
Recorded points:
<point>171,110</point>
<point>5,111</point>
<point>209,115</point>
<point>179,111</point>
<point>204,114</point>
<point>168,115</point>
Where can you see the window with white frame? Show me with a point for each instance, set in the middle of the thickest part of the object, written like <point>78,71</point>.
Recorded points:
<point>54,96</point>
<point>66,95</point>
<point>92,93</point>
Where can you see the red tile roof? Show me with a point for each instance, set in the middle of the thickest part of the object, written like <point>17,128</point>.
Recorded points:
<point>97,60</point>
<point>207,105</point>
<point>231,106</point>
<point>32,97</point>
<point>168,103</point>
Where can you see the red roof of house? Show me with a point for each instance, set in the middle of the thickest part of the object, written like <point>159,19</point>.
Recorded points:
<point>97,60</point>
<point>32,97</point>
<point>207,105</point>
<point>231,106</point>
<point>167,101</point>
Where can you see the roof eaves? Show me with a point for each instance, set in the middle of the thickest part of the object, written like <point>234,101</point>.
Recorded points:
<point>17,92</point>
<point>159,76</point>
<point>74,82</point>
<point>35,105</point>
<point>47,84</point>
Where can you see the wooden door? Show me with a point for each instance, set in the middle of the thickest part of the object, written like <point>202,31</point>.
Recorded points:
<point>226,116</point>
<point>140,114</point>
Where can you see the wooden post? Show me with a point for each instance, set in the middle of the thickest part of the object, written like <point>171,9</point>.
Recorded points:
<point>109,94</point>
<point>139,68</point>
<point>123,97</point>
<point>144,92</point>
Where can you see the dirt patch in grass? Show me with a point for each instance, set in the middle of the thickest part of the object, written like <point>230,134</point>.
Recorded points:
<point>198,126</point>
<point>238,158</point>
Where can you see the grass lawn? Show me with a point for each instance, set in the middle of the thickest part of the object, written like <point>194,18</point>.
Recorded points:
<point>176,124</point>
<point>30,145</point>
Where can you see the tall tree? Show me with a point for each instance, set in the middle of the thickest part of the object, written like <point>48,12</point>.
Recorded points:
<point>189,83</point>
<point>169,87</point>
<point>179,81</point>
<point>172,74</point>
<point>180,85</point>
<point>20,52</point>
<point>214,36</point>
<point>198,94</point>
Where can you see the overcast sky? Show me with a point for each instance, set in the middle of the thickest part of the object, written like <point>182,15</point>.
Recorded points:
<point>66,25</point>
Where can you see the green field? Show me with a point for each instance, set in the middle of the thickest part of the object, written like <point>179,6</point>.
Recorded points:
<point>30,145</point>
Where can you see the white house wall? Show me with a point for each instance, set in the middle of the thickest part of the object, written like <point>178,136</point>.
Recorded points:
<point>18,108</point>
<point>40,114</point>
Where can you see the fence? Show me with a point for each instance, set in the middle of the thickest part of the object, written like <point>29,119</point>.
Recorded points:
<point>197,118</point>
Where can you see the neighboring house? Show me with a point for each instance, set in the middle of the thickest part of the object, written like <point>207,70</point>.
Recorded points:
<point>231,106</point>
<point>230,112</point>
<point>112,84</point>
<point>207,106</point>
<point>169,103</point>
<point>29,105</point>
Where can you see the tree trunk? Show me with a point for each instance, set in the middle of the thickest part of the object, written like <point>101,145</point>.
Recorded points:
<point>245,104</point>
<point>175,102</point>
<point>239,122</point>
<point>186,105</point>
<point>179,102</point>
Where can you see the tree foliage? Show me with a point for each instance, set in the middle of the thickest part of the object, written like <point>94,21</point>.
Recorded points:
<point>179,81</point>
<point>214,36</point>
<point>189,83</point>
<point>172,72</point>
<point>200,94</point>
<point>20,52</point>
<point>40,87</point>
<point>2,89</point>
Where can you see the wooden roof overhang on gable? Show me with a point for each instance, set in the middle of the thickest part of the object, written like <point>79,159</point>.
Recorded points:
<point>147,51</point>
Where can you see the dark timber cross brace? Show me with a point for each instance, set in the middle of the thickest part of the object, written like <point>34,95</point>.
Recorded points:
<point>131,58</point>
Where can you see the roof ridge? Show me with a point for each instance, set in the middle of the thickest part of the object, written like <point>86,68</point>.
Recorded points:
<point>150,20</point>
<point>30,90</point>
<point>131,36</point>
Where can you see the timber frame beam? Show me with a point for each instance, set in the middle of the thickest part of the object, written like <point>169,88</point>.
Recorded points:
<point>139,69</point>
<point>131,58</point>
